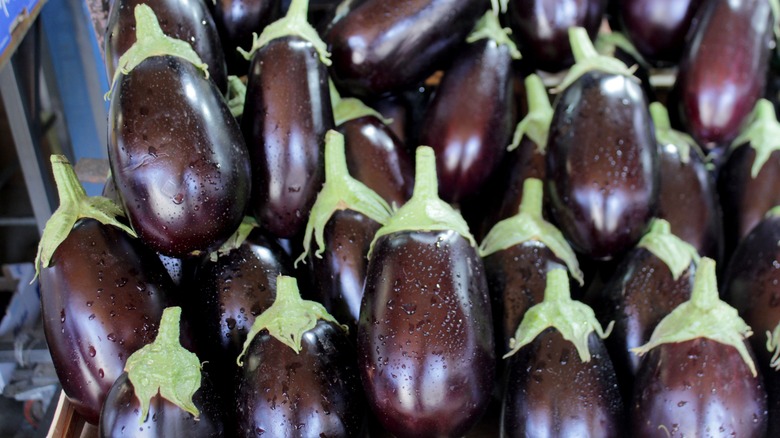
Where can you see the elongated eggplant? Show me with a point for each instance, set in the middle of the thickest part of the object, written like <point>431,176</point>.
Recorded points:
<point>714,97</point>
<point>372,51</point>
<point>425,335</point>
<point>299,375</point>
<point>186,20</point>
<point>176,152</point>
<point>468,123</point>
<point>560,381</point>
<point>658,27</point>
<point>699,377</point>
<point>541,27</point>
<point>236,21</point>
<point>286,115</point>
<point>602,159</point>
<point>102,293</point>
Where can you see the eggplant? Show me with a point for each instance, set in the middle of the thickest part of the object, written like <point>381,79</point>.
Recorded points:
<point>186,20</point>
<point>713,97</point>
<point>749,179</point>
<point>468,123</point>
<point>286,115</point>
<point>236,21</point>
<point>560,380</point>
<point>102,292</point>
<point>372,53</point>
<point>602,159</point>
<point>699,377</point>
<point>541,27</point>
<point>176,152</point>
<point>425,334</point>
<point>163,392</point>
<point>299,375</point>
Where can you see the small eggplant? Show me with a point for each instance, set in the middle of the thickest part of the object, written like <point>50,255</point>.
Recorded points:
<point>176,152</point>
<point>236,21</point>
<point>602,159</point>
<point>299,376</point>
<point>102,293</point>
<point>560,380</point>
<point>699,377</point>
<point>714,97</point>
<point>468,124</point>
<point>425,335</point>
<point>286,115</point>
<point>154,397</point>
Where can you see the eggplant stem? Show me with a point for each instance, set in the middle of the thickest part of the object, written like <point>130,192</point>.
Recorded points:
<point>489,28</point>
<point>677,254</point>
<point>536,124</point>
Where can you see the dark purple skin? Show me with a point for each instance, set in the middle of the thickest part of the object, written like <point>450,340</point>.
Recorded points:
<point>602,164</point>
<point>371,49</point>
<point>286,114</point>
<point>541,27</point>
<point>658,27</point>
<point>236,20</point>
<point>551,392</point>
<point>178,158</point>
<point>698,388</point>
<point>121,414</point>
<point>186,20</point>
<point>102,298</point>
<point>397,109</point>
<point>425,336</point>
<point>470,144</point>
<point>714,97</point>
<point>314,393</point>
<point>688,199</point>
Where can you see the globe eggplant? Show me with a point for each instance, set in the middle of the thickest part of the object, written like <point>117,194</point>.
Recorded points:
<point>425,334</point>
<point>176,152</point>
<point>236,21</point>
<point>286,115</point>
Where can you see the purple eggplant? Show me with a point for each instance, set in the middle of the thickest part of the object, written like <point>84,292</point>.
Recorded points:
<point>236,21</point>
<point>176,152</point>
<point>713,96</point>
<point>425,335</point>
<point>286,115</point>
<point>560,379</point>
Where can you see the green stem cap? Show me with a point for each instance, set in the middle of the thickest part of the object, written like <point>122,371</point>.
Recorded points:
<point>608,42</point>
<point>237,239</point>
<point>236,95</point>
<point>762,133</point>
<point>676,253</point>
<point>528,224</point>
<point>489,28</point>
<point>425,211</point>
<point>351,108</point>
<point>773,346</point>
<point>166,367</point>
<point>665,135</point>
<point>575,321</point>
<point>74,205</point>
<point>536,124</point>
<point>588,59</point>
<point>703,316</point>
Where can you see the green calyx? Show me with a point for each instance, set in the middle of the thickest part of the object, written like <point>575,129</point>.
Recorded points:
<point>676,253</point>
<point>151,41</point>
<point>489,28</point>
<point>536,124</point>
<point>425,211</point>
<point>74,205</point>
<point>288,318</point>
<point>350,108</point>
<point>607,42</point>
<point>237,239</point>
<point>575,321</point>
<point>762,133</point>
<point>528,224</point>
<point>665,135</point>
<point>295,23</point>
<point>703,316</point>
<point>773,346</point>
<point>236,95</point>
<point>166,367</point>
<point>588,59</point>
<point>498,7</point>
<point>340,192</point>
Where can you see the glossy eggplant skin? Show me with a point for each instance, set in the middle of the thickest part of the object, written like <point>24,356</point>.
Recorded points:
<point>658,27</point>
<point>550,392</point>
<point>371,49</point>
<point>236,20</point>
<point>177,157</point>
<point>313,393</point>
<point>602,164</point>
<point>469,122</point>
<point>541,27</point>
<point>714,97</point>
<point>102,298</point>
<point>425,335</point>
<point>698,388</point>
<point>187,20</point>
<point>286,115</point>
<point>121,412</point>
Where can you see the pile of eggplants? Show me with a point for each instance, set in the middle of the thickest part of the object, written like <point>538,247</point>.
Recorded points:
<point>383,225</point>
